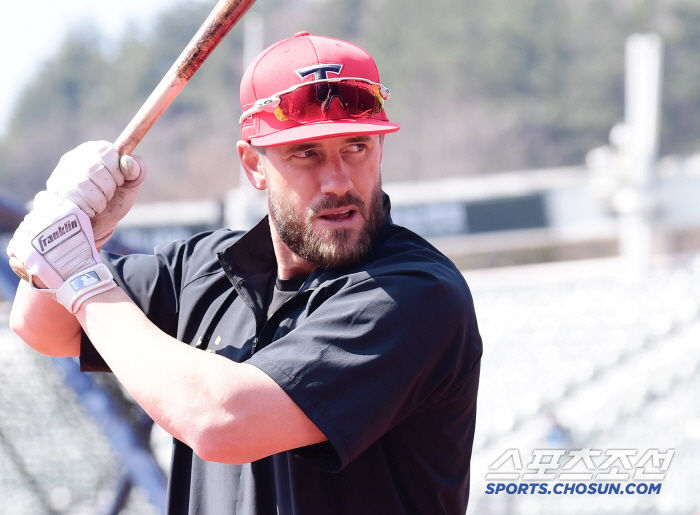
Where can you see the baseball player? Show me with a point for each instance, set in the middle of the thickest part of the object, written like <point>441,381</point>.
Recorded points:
<point>324,362</point>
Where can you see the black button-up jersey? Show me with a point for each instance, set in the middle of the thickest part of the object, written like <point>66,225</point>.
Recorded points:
<point>382,356</point>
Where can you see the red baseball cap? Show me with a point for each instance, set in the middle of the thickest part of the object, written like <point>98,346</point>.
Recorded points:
<point>300,59</point>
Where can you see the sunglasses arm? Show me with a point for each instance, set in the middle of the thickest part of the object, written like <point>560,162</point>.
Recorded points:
<point>264,104</point>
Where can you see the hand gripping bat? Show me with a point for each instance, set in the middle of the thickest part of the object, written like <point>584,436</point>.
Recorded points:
<point>223,17</point>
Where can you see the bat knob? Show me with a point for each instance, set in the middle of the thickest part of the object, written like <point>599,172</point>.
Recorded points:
<point>18,268</point>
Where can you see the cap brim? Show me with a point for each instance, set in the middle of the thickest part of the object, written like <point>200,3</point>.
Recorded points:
<point>324,129</point>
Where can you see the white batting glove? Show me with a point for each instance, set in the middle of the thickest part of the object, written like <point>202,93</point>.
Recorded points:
<point>102,185</point>
<point>55,245</point>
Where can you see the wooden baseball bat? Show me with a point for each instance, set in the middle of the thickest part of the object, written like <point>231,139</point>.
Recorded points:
<point>220,21</point>
<point>223,17</point>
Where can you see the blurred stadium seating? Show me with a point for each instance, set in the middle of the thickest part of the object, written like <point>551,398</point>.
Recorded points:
<point>577,357</point>
<point>53,456</point>
<point>574,357</point>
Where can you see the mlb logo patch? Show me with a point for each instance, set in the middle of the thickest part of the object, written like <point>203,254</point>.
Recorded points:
<point>85,280</point>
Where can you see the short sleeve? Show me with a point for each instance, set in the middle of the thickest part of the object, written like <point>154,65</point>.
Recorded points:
<point>375,352</point>
<point>154,282</point>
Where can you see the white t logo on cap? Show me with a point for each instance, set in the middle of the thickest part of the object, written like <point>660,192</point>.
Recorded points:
<point>319,71</point>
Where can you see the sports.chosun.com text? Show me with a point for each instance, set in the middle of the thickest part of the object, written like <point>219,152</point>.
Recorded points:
<point>574,488</point>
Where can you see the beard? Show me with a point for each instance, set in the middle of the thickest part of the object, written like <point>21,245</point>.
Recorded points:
<point>328,248</point>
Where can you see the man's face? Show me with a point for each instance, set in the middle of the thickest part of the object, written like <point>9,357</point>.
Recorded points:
<point>325,197</point>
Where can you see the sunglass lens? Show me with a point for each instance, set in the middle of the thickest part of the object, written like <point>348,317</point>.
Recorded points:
<point>310,103</point>
<point>301,104</point>
<point>361,98</point>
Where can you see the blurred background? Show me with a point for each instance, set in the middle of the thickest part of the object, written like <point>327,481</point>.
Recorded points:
<point>550,148</point>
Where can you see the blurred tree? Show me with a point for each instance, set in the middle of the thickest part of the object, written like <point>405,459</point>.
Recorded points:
<point>498,85</point>
<point>478,86</point>
<point>82,95</point>
<point>53,113</point>
<point>681,100</point>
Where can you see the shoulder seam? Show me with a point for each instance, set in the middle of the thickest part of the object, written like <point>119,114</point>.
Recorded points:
<point>200,277</point>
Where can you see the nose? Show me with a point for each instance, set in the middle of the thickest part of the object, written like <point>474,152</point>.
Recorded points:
<point>335,178</point>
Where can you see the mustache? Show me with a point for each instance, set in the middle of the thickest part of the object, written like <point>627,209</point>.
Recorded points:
<point>335,202</point>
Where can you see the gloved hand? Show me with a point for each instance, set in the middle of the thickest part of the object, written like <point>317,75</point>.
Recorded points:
<point>101,184</point>
<point>55,244</point>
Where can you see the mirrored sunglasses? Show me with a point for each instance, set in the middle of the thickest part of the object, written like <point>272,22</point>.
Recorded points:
<point>310,101</point>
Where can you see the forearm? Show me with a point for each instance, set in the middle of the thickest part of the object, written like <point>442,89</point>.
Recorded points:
<point>44,324</point>
<point>162,374</point>
<point>225,411</point>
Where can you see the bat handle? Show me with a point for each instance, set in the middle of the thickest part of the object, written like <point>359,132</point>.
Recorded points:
<point>154,106</point>
<point>223,17</point>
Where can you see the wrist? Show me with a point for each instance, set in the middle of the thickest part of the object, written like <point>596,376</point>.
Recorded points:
<point>84,285</point>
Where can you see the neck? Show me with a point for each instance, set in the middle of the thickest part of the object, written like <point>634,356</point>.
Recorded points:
<point>289,264</point>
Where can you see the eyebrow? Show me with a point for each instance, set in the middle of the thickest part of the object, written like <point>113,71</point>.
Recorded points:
<point>300,147</point>
<point>360,138</point>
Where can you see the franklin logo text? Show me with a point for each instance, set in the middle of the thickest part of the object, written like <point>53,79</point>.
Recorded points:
<point>56,233</point>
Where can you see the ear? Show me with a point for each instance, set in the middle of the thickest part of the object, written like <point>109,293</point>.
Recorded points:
<point>252,165</point>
